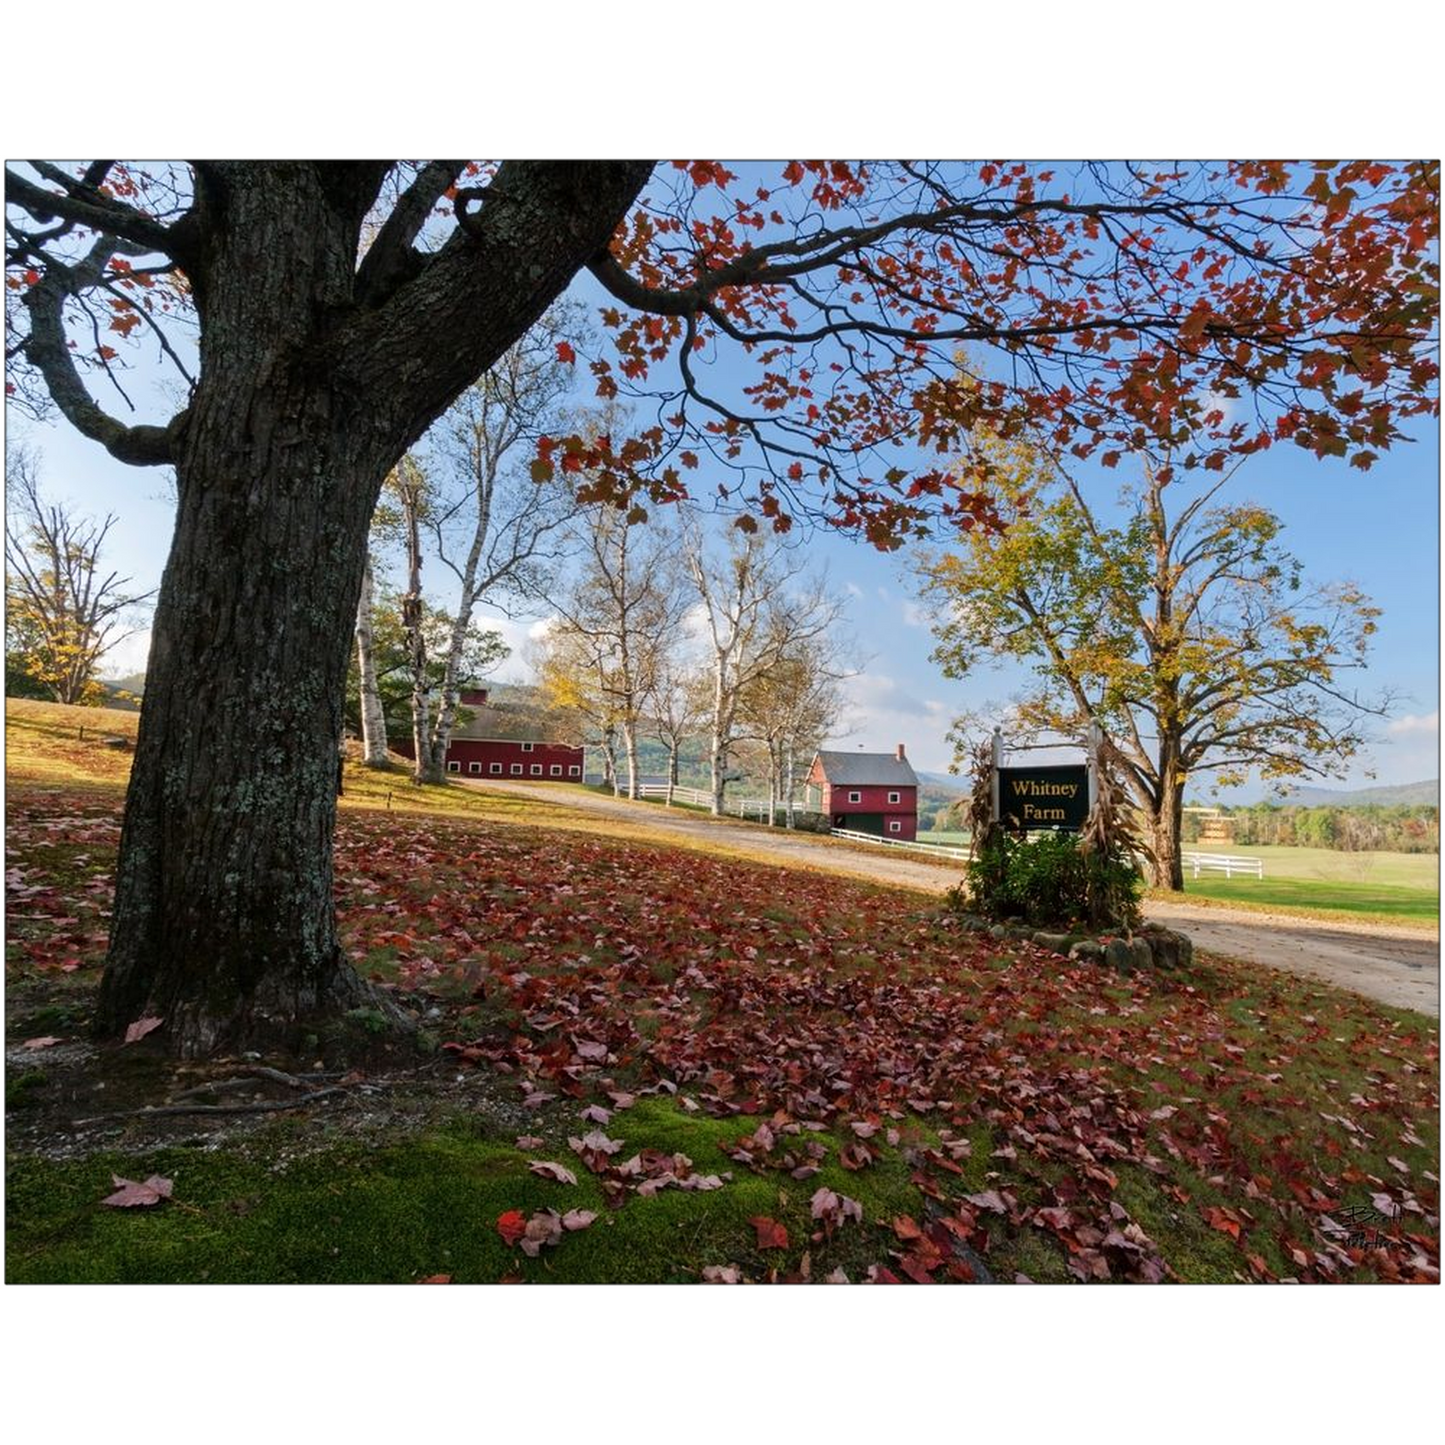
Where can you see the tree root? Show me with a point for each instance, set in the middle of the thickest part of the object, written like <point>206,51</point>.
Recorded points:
<point>171,1111</point>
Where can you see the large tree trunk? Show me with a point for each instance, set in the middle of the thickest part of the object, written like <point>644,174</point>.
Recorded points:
<point>224,925</point>
<point>1166,827</point>
<point>373,718</point>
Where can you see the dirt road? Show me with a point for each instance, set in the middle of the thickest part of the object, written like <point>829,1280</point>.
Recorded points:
<point>1395,965</point>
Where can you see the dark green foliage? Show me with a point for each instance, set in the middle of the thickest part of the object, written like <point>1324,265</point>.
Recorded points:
<point>1051,882</point>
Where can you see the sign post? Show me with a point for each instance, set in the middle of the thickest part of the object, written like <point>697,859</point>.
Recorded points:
<point>1096,734</point>
<point>997,764</point>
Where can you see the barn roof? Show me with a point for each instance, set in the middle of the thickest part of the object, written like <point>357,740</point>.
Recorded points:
<point>866,769</point>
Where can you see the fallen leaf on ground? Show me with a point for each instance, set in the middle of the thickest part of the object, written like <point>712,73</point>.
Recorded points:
<point>548,1170</point>
<point>129,1194</point>
<point>771,1234</point>
<point>141,1027</point>
<point>512,1225</point>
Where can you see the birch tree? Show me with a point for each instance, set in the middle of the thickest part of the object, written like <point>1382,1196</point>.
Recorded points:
<point>758,605</point>
<point>624,608</point>
<point>373,719</point>
<point>498,531</point>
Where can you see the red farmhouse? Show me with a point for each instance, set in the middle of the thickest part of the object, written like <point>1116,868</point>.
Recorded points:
<point>474,754</point>
<point>868,792</point>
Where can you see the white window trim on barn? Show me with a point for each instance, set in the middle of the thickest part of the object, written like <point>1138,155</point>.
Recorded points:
<point>573,771</point>
<point>895,797</point>
<point>496,767</point>
<point>474,767</point>
<point>527,747</point>
<point>454,767</point>
<point>855,797</point>
<point>536,770</point>
<point>556,770</point>
<point>516,770</point>
<point>894,826</point>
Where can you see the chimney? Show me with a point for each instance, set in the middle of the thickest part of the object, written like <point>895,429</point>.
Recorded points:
<point>901,758</point>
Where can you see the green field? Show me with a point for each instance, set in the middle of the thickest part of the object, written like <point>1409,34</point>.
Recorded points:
<point>1395,885</point>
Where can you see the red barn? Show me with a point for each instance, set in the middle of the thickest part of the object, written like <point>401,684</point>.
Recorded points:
<point>868,792</point>
<point>475,750</point>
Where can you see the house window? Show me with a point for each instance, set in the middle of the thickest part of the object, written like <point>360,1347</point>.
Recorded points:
<point>855,797</point>
<point>516,770</point>
<point>474,767</point>
<point>496,767</point>
<point>894,826</point>
<point>536,770</point>
<point>574,771</point>
<point>895,797</point>
<point>454,767</point>
<point>527,747</point>
<point>556,770</point>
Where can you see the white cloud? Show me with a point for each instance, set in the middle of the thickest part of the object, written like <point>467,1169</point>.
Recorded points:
<point>1415,725</point>
<point>127,656</point>
<point>879,714</point>
<point>854,590</point>
<point>914,615</point>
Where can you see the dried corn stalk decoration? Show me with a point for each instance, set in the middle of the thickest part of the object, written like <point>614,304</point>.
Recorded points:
<point>1108,832</point>
<point>979,812</point>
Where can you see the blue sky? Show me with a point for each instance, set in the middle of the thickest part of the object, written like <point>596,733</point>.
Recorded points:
<point>1379,528</point>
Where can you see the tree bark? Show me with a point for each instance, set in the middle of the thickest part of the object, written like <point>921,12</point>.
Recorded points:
<point>629,747</point>
<point>1166,825</point>
<point>224,924</point>
<point>373,718</point>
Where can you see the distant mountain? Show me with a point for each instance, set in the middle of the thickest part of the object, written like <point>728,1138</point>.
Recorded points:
<point>944,782</point>
<point>1425,794</point>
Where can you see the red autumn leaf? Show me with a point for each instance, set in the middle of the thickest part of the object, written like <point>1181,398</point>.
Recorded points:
<point>435,1279</point>
<point>596,1114</point>
<point>141,1027</point>
<point>512,1225</point>
<point>130,1195</point>
<point>771,1234</point>
<point>1221,1220</point>
<point>565,353</point>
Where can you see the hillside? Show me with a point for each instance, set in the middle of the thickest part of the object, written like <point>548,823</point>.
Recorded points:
<point>1423,794</point>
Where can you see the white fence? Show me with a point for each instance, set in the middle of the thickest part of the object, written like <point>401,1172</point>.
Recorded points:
<point>698,797</point>
<point>1223,863</point>
<point>701,798</point>
<point>937,850</point>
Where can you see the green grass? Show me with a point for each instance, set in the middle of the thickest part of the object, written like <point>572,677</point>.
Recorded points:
<point>356,1214</point>
<point>1410,905</point>
<point>1420,871</point>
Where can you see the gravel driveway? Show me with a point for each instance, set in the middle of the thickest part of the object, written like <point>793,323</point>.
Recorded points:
<point>1395,965</point>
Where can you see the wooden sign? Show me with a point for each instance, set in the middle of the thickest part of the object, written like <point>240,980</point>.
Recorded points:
<point>1034,798</point>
